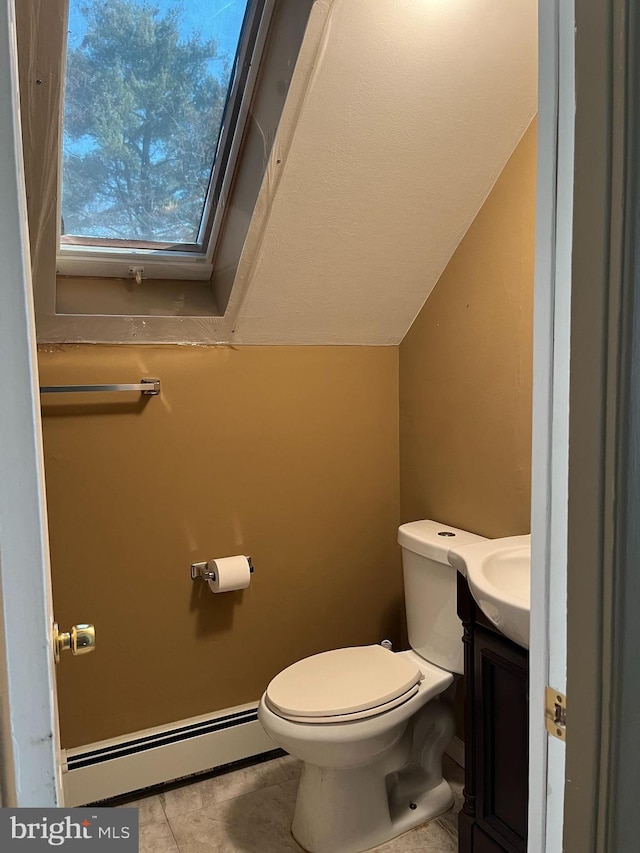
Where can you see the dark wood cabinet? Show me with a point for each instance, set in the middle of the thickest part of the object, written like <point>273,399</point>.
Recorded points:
<point>494,814</point>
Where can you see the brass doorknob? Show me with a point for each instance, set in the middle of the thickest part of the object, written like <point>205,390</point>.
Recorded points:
<point>80,640</point>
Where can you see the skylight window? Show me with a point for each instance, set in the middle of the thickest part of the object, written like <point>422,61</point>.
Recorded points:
<point>155,100</point>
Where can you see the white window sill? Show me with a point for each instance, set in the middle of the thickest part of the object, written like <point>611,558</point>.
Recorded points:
<point>121,297</point>
<point>155,265</point>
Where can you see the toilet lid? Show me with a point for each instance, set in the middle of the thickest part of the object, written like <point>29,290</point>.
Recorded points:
<point>342,681</point>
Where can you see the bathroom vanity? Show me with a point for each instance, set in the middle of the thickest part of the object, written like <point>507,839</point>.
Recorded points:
<point>493,818</point>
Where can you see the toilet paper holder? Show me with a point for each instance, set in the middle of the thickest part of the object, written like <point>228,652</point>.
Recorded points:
<point>200,570</point>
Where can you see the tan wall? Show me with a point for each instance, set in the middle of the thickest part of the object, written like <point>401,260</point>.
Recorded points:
<point>288,454</point>
<point>466,371</point>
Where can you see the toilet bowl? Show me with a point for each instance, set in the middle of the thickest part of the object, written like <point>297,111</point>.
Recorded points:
<point>370,725</point>
<point>359,786</point>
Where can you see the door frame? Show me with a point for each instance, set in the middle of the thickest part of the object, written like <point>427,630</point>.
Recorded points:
<point>603,511</point>
<point>585,510</point>
<point>30,772</point>
<point>550,432</point>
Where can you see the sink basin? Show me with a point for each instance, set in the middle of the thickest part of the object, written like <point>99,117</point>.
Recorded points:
<point>498,573</point>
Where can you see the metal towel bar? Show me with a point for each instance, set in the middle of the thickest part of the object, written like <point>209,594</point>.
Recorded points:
<point>148,387</point>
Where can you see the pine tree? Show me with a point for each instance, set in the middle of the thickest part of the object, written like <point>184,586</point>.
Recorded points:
<point>141,124</point>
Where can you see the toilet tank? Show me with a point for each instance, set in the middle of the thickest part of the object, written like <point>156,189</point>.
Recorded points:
<point>435,632</point>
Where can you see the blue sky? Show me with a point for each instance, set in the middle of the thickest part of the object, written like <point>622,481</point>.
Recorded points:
<point>217,19</point>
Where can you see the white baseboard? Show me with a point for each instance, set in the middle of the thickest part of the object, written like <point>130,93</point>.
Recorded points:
<point>118,766</point>
<point>114,767</point>
<point>455,751</point>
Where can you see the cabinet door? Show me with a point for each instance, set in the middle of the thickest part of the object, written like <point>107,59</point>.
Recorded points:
<point>502,739</point>
<point>483,843</point>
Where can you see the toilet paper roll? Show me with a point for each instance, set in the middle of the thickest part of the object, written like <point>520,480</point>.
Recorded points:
<point>229,573</point>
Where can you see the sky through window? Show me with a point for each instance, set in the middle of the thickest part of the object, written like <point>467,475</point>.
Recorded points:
<point>146,88</point>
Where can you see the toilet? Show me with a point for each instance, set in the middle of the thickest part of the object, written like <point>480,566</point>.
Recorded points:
<point>370,725</point>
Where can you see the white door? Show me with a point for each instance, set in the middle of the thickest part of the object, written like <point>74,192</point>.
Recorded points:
<point>30,759</point>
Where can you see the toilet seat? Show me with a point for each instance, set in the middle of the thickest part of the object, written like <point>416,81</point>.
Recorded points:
<point>343,685</point>
<point>348,718</point>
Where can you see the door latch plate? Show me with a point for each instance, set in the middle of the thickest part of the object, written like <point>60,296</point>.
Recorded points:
<point>555,713</point>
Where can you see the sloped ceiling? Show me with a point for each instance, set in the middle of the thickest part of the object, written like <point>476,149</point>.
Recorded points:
<point>400,119</point>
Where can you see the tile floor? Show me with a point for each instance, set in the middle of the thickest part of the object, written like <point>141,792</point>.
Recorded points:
<point>249,811</point>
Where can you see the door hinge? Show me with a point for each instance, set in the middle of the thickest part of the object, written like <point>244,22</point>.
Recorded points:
<point>555,713</point>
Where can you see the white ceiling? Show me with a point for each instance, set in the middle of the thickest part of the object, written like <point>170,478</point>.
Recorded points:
<point>400,118</point>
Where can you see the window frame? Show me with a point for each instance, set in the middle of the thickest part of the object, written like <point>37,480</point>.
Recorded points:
<point>193,261</point>
<point>81,309</point>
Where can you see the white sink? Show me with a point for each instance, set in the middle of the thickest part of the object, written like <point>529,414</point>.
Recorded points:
<point>498,573</point>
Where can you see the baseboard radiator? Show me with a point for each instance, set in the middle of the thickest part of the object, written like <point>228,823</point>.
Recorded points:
<point>142,759</point>
<point>151,757</point>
